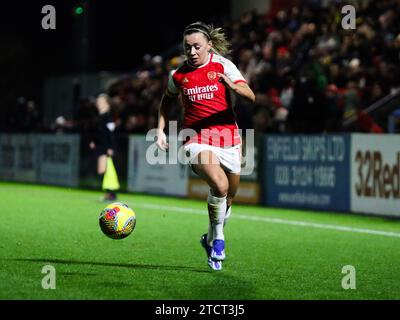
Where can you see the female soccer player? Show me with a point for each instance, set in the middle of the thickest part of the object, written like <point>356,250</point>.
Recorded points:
<point>204,82</point>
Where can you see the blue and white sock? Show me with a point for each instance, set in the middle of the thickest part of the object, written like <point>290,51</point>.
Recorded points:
<point>227,214</point>
<point>216,212</point>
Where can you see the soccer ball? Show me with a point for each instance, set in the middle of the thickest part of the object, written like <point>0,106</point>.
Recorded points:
<point>117,220</point>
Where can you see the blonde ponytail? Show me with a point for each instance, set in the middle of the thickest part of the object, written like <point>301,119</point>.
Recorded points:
<point>220,44</point>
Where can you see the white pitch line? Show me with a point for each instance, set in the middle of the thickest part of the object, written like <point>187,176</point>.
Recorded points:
<point>275,220</point>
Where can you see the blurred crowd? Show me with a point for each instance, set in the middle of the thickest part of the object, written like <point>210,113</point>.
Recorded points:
<point>309,74</point>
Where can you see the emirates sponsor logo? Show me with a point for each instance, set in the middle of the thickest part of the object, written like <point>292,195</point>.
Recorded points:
<point>201,89</point>
<point>200,93</point>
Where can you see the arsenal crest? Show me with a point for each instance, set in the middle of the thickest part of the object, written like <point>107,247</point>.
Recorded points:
<point>212,75</point>
<point>185,80</point>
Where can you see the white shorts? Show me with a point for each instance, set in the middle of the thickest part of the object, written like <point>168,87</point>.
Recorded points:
<point>229,157</point>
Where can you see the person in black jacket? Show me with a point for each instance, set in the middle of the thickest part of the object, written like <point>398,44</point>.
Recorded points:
<point>102,141</point>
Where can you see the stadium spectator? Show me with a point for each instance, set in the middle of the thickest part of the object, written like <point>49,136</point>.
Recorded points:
<point>62,125</point>
<point>307,113</point>
<point>334,109</point>
<point>365,123</point>
<point>203,83</point>
<point>31,117</point>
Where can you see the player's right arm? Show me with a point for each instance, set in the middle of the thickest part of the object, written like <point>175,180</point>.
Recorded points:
<point>165,106</point>
<point>167,102</point>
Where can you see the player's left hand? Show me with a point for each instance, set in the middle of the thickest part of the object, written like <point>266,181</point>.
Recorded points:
<point>224,79</point>
<point>240,88</point>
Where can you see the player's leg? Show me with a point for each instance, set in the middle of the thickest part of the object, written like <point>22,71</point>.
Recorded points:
<point>231,162</point>
<point>207,166</point>
<point>233,180</point>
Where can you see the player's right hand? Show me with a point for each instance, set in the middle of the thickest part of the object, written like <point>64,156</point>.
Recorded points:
<point>162,141</point>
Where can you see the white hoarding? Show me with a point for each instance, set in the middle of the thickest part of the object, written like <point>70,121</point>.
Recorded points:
<point>59,159</point>
<point>169,178</point>
<point>18,158</point>
<point>375,174</point>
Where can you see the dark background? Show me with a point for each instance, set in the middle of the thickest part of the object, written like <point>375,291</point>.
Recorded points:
<point>110,35</point>
<point>119,32</point>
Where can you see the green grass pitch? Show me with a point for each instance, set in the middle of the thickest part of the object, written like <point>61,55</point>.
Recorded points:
<point>271,253</point>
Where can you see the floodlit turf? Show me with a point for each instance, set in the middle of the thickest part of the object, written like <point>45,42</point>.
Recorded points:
<point>162,259</point>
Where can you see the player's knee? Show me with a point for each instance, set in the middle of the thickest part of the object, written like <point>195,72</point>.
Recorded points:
<point>219,188</point>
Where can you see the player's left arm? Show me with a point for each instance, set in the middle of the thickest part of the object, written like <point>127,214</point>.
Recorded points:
<point>240,87</point>
<point>234,80</point>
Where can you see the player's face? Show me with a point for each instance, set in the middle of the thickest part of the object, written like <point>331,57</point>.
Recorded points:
<point>197,47</point>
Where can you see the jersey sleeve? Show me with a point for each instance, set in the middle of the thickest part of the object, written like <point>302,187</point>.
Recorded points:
<point>232,72</point>
<point>172,90</point>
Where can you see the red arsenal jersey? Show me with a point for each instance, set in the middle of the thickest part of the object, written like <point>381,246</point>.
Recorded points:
<point>207,105</point>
